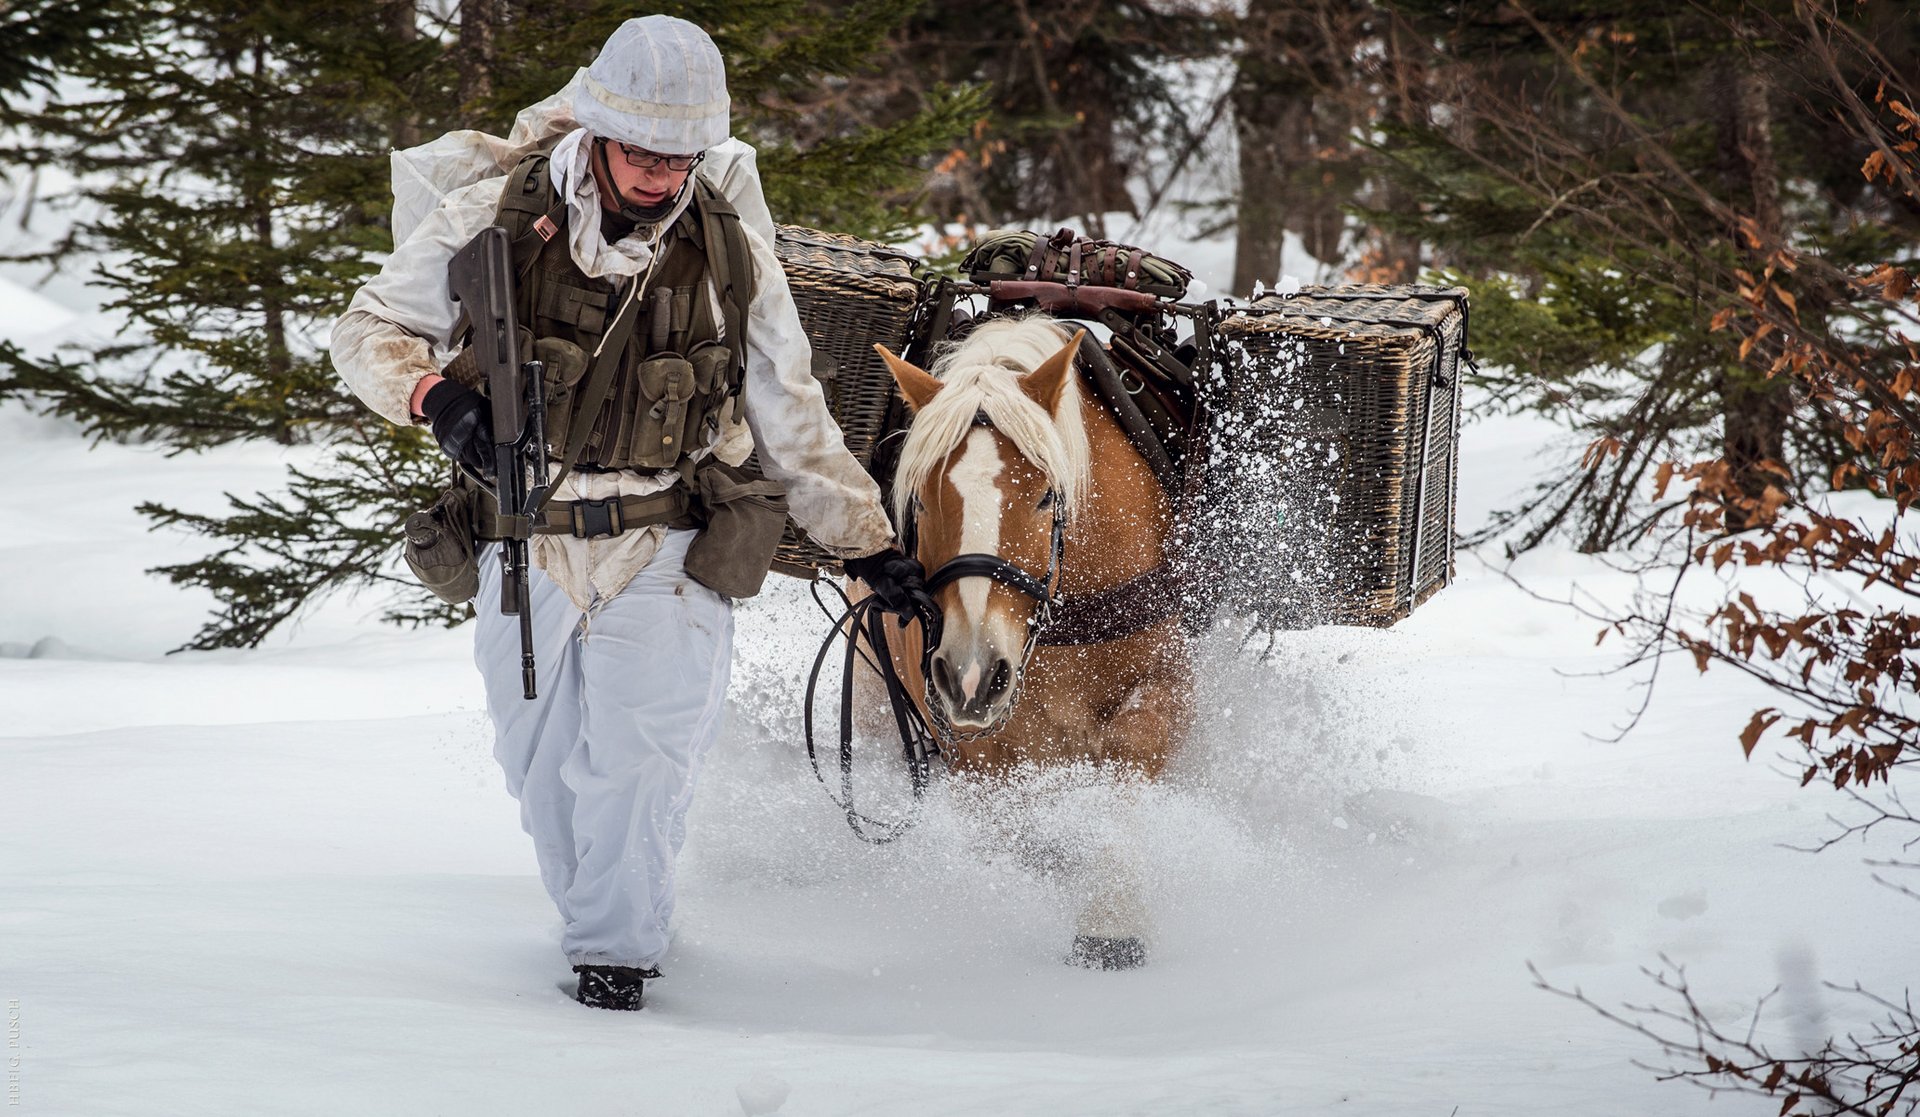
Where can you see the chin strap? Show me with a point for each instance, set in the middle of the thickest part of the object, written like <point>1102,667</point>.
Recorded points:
<point>638,215</point>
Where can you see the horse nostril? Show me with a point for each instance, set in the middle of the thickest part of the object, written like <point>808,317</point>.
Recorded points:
<point>944,679</point>
<point>1001,679</point>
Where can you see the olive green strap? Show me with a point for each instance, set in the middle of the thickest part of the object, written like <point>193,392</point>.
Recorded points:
<point>589,519</point>
<point>732,269</point>
<point>528,199</point>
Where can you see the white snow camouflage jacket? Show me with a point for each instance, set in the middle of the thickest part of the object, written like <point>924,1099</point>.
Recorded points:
<point>399,328</point>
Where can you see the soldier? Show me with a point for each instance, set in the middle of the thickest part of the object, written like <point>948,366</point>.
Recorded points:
<point>633,651</point>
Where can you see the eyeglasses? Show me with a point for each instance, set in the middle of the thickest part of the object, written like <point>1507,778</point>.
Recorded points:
<point>647,160</point>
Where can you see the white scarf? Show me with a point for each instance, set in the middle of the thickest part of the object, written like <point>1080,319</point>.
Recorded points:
<point>569,165</point>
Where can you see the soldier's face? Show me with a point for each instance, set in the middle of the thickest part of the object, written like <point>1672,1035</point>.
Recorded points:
<point>637,183</point>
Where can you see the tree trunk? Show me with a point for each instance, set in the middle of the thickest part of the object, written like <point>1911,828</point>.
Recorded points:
<point>1321,220</point>
<point>403,127</point>
<point>1294,103</point>
<point>1267,109</point>
<point>1398,257</point>
<point>477,22</point>
<point>1754,407</point>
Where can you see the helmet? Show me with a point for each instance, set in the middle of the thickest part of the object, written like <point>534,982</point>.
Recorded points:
<point>659,84</point>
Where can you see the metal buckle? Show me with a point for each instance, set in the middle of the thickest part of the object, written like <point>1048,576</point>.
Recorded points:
<point>594,518</point>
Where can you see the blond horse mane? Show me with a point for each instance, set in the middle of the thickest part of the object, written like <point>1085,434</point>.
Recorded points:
<point>982,375</point>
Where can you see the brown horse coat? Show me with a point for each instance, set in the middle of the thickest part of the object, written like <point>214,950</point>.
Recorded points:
<point>1123,703</point>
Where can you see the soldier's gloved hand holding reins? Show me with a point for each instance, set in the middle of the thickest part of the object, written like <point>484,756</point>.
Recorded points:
<point>898,581</point>
<point>462,421</point>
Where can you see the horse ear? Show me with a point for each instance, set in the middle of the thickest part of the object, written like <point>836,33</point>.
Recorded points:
<point>917,386</point>
<point>1045,384</point>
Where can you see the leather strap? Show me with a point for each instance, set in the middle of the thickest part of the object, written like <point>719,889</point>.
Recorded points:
<point>1143,601</point>
<point>527,186</point>
<point>1104,377</point>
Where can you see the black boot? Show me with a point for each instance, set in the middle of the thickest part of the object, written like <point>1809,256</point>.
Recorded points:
<point>616,987</point>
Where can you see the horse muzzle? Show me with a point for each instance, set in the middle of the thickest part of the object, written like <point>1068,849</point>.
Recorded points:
<point>974,686</point>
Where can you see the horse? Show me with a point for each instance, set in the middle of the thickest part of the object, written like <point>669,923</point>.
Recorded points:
<point>1043,532</point>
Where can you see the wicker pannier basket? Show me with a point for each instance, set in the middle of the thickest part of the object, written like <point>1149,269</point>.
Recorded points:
<point>851,294</point>
<point>1334,418</point>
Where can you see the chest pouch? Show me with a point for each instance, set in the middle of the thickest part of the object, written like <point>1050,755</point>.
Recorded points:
<point>566,366</point>
<point>711,361</point>
<point>654,430</point>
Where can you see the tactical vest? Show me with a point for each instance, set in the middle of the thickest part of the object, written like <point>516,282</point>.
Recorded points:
<point>678,380</point>
<point>668,394</point>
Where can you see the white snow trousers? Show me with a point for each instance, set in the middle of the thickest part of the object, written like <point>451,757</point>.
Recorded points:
<point>604,761</point>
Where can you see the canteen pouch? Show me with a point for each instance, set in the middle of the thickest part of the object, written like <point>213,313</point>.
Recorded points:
<point>439,548</point>
<point>746,514</point>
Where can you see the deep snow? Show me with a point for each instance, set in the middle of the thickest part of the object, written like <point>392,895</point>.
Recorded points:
<point>288,880</point>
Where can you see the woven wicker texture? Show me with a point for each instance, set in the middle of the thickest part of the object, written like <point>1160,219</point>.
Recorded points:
<point>1334,430</point>
<point>851,294</point>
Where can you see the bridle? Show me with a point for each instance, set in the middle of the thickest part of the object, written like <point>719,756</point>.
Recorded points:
<point>920,741</point>
<point>1045,592</point>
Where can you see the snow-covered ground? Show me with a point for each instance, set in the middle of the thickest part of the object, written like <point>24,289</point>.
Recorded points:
<point>289,881</point>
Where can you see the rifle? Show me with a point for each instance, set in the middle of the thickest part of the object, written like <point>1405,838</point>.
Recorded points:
<point>480,277</point>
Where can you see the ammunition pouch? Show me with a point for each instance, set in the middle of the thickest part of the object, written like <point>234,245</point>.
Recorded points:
<point>565,366</point>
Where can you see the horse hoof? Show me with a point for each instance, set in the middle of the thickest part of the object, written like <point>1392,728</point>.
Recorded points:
<point>1095,952</point>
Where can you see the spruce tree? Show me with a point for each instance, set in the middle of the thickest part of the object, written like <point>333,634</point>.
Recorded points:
<point>1607,177</point>
<point>1085,93</point>
<point>230,149</point>
<point>244,196</point>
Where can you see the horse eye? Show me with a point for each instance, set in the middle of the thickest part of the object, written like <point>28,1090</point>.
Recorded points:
<point>1046,501</point>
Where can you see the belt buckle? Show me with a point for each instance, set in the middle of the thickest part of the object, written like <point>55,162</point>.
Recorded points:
<point>594,518</point>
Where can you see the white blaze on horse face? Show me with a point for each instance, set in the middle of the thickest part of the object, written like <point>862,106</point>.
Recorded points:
<point>973,476</point>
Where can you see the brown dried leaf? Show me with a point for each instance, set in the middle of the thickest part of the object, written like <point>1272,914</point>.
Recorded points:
<point>1750,736</point>
<point>1876,167</point>
<point>1661,477</point>
<point>1599,450</point>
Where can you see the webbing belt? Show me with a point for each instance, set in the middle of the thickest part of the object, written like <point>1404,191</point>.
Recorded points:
<point>595,519</point>
<point>591,519</point>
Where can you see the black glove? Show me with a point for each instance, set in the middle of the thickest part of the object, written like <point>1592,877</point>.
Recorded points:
<point>898,581</point>
<point>462,421</point>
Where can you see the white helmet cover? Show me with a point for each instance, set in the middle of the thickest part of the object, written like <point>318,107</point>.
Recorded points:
<point>660,84</point>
